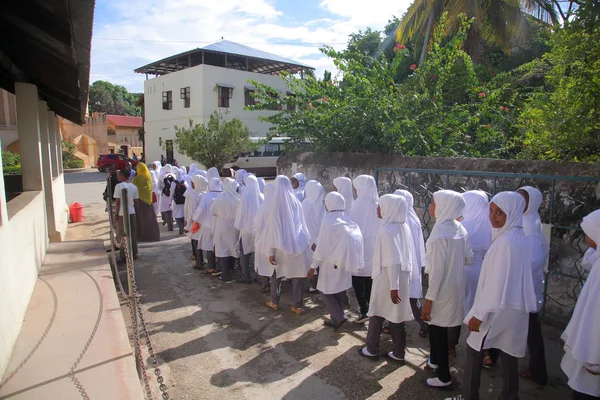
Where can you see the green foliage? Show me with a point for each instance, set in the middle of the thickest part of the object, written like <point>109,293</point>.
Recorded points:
<point>10,159</point>
<point>113,99</point>
<point>12,170</point>
<point>68,150</point>
<point>214,143</point>
<point>75,163</point>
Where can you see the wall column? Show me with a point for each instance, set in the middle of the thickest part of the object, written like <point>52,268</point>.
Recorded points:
<point>3,209</point>
<point>47,167</point>
<point>29,136</point>
<point>53,143</point>
<point>59,158</point>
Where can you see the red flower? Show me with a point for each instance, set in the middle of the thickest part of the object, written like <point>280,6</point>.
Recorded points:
<point>399,47</point>
<point>412,67</point>
<point>506,108</point>
<point>481,94</point>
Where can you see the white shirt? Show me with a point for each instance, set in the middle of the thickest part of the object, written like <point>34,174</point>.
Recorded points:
<point>132,194</point>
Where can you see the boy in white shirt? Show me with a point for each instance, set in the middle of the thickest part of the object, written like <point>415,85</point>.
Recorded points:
<point>132,197</point>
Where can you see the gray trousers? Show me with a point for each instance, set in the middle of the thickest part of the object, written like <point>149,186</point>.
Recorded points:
<point>510,375</point>
<point>245,263</point>
<point>334,305</point>
<point>415,304</point>
<point>211,262</point>
<point>398,336</point>
<point>297,288</point>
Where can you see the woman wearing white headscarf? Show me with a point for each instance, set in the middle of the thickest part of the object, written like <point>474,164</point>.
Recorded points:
<point>199,187</point>
<point>313,207</point>
<point>505,296</point>
<point>338,254</point>
<point>589,259</point>
<point>226,236</point>
<point>261,184</point>
<point>251,200</point>
<point>262,266</point>
<point>448,252</point>
<point>239,179</point>
<point>287,244</point>
<point>178,206</point>
<point>532,226</point>
<point>155,195</point>
<point>416,283</point>
<point>581,362</point>
<point>343,186</point>
<point>193,169</point>
<point>393,261</point>
<point>364,213</point>
<point>212,172</point>
<point>206,221</point>
<point>167,185</point>
<point>298,182</point>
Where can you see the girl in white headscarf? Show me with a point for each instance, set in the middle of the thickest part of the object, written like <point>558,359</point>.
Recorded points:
<point>261,184</point>
<point>416,283</point>
<point>212,172</point>
<point>581,362</point>
<point>155,195</point>
<point>589,259</point>
<point>193,169</point>
<point>314,211</point>
<point>343,186</point>
<point>251,200</point>
<point>338,253</point>
<point>206,221</point>
<point>505,296</point>
<point>262,266</point>
<point>287,243</point>
<point>532,226</point>
<point>298,182</point>
<point>393,261</point>
<point>364,213</point>
<point>156,168</point>
<point>167,185</point>
<point>239,179</point>
<point>226,236</point>
<point>199,187</point>
<point>448,252</point>
<point>178,205</point>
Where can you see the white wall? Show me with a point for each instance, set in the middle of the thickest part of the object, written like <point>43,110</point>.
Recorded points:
<point>202,80</point>
<point>7,136</point>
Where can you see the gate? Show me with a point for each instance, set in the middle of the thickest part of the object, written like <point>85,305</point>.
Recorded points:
<point>567,199</point>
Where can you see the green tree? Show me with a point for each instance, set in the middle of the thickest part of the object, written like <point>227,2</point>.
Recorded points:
<point>113,99</point>
<point>214,143</point>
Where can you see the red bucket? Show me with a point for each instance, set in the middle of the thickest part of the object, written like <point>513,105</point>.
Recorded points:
<point>76,212</point>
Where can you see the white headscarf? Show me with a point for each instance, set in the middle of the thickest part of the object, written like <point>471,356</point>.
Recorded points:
<point>212,173</point>
<point>340,240</point>
<point>285,227</point>
<point>532,223</point>
<point>394,244</point>
<point>581,335</point>
<point>200,184</point>
<point>193,169</point>
<point>251,200</point>
<point>313,207</point>
<point>215,188</point>
<point>344,186</point>
<point>166,170</point>
<point>158,166</point>
<point>261,184</point>
<point>299,191</point>
<point>416,230</point>
<point>239,176</point>
<point>505,281</point>
<point>183,170</point>
<point>364,213</point>
<point>154,177</point>
<point>225,205</point>
<point>260,221</point>
<point>476,219</point>
<point>200,172</point>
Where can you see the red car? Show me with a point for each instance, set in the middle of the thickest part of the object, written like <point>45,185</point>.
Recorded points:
<point>118,160</point>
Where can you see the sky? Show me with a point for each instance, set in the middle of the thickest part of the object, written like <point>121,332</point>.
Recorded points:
<point>131,33</point>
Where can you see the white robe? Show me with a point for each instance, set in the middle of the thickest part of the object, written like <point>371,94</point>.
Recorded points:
<point>364,213</point>
<point>224,208</point>
<point>165,201</point>
<point>262,266</point>
<point>207,221</point>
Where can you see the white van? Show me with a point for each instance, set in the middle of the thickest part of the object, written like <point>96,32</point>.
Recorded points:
<point>262,161</point>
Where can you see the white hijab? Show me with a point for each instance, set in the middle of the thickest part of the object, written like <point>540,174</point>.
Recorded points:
<point>261,184</point>
<point>299,191</point>
<point>239,176</point>
<point>260,220</point>
<point>251,200</point>
<point>416,230</point>
<point>154,179</point>
<point>532,223</point>
<point>476,219</point>
<point>200,184</point>
<point>505,281</point>
<point>581,335</point>
<point>344,186</point>
<point>313,207</point>
<point>285,227</point>
<point>212,173</point>
<point>394,244</point>
<point>364,208</point>
<point>340,241</point>
<point>215,188</point>
<point>158,167</point>
<point>193,169</point>
<point>225,205</point>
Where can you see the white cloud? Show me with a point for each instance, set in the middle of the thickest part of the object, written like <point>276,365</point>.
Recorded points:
<point>155,26</point>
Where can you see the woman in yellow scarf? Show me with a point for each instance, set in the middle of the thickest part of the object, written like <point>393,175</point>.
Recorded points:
<point>146,218</point>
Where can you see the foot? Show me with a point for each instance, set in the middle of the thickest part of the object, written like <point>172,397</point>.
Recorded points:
<point>333,325</point>
<point>528,375</point>
<point>488,362</point>
<point>312,290</point>
<point>362,319</point>
<point>459,397</point>
<point>297,310</point>
<point>209,271</point>
<point>386,330</point>
<point>435,383</point>
<point>430,367</point>
<point>217,273</point>
<point>193,257</point>
<point>272,305</point>
<point>225,280</point>
<point>365,353</point>
<point>395,359</point>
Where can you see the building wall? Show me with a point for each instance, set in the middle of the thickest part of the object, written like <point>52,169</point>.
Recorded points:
<point>202,80</point>
<point>8,119</point>
<point>94,127</point>
<point>128,137</point>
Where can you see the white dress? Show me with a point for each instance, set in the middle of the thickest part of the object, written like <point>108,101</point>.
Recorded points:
<point>381,304</point>
<point>225,236</point>
<point>165,201</point>
<point>293,266</point>
<point>333,279</point>
<point>207,221</point>
<point>472,277</point>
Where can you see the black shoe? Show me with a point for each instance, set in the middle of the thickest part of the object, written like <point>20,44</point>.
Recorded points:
<point>374,358</point>
<point>225,280</point>
<point>333,325</point>
<point>362,319</point>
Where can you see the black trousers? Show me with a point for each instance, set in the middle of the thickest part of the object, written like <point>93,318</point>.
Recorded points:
<point>537,354</point>
<point>362,290</point>
<point>211,262</point>
<point>167,216</point>
<point>472,378</point>
<point>454,336</point>
<point>227,265</point>
<point>583,396</point>
<point>438,341</point>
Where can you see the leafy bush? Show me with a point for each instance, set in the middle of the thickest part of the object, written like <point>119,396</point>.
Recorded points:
<point>10,159</point>
<point>12,170</point>
<point>75,163</point>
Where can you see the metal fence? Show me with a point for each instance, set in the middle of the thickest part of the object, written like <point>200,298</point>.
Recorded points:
<point>567,199</point>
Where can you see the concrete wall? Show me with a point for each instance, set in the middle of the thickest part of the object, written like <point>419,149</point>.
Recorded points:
<point>94,127</point>
<point>8,119</point>
<point>202,80</point>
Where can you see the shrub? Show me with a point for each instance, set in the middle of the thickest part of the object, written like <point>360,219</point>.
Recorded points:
<point>10,159</point>
<point>75,163</point>
<point>12,170</point>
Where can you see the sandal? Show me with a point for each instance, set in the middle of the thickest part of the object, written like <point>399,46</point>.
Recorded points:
<point>296,310</point>
<point>488,362</point>
<point>386,330</point>
<point>272,305</point>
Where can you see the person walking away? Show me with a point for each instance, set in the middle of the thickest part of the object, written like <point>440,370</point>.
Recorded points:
<point>343,186</point>
<point>239,180</point>
<point>298,182</point>
<point>147,225</point>
<point>226,236</point>
<point>199,188</point>
<point>134,157</point>
<point>178,207</point>
<point>314,211</point>
<point>206,222</point>
<point>505,297</point>
<point>262,266</point>
<point>364,213</point>
<point>448,252</point>
<point>540,250</point>
<point>113,179</point>
<point>581,362</point>
<point>251,200</point>
<point>261,184</point>
<point>167,190</point>
<point>287,244</point>
<point>126,209</point>
<point>156,171</point>
<point>416,283</point>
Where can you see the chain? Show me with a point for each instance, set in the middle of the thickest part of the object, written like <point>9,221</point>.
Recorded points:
<point>113,243</point>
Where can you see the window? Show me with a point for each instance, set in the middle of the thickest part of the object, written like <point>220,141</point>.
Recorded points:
<point>249,99</point>
<point>225,93</point>
<point>291,106</point>
<point>276,106</point>
<point>167,100</point>
<point>185,95</point>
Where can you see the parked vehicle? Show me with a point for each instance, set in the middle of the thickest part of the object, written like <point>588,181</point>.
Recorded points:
<point>118,160</point>
<point>262,161</point>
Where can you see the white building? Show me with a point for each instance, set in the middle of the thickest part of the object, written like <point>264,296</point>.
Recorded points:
<point>192,85</point>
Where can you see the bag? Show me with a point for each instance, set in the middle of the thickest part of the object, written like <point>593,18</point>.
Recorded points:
<point>167,186</point>
<point>154,198</point>
<point>180,189</point>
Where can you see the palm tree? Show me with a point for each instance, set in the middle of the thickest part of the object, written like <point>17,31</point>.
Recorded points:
<point>497,22</point>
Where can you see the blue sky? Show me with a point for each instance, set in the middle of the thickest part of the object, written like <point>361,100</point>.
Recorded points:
<point>131,33</point>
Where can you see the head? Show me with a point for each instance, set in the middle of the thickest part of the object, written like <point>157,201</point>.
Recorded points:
<point>142,170</point>
<point>591,228</point>
<point>128,165</point>
<point>153,167</point>
<point>365,185</point>
<point>334,202</point>
<point>506,210</point>
<point>123,175</point>
<point>229,185</point>
<point>497,216</point>
<point>295,183</point>
<point>215,185</point>
<point>113,170</point>
<point>533,199</point>
<point>446,205</point>
<point>410,200</point>
<point>282,182</point>
<point>314,191</point>
<point>392,209</point>
<point>227,173</point>
<point>199,183</point>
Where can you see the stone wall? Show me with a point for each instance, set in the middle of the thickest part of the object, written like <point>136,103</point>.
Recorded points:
<point>571,191</point>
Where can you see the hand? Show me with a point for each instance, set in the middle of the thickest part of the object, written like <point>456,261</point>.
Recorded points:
<point>195,227</point>
<point>426,312</point>
<point>313,247</point>
<point>474,324</point>
<point>272,260</point>
<point>311,273</point>
<point>593,372</point>
<point>395,297</point>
